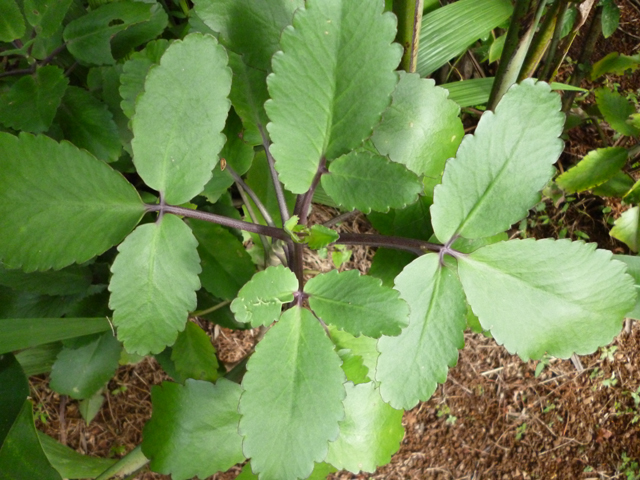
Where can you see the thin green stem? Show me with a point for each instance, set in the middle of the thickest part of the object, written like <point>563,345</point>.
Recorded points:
<point>282,202</point>
<point>220,305</point>
<point>241,183</point>
<point>265,243</point>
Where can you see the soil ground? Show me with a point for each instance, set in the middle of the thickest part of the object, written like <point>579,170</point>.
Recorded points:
<point>494,418</point>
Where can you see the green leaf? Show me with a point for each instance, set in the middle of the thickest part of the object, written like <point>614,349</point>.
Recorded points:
<point>625,228</point>
<point>193,354</point>
<point>616,109</point>
<point>353,367</point>
<point>260,301</point>
<point>40,359</point>
<point>387,264</point>
<point>321,236</point>
<point>88,124</point>
<point>412,364</point>
<point>82,209</point>
<point>421,128</point>
<point>364,181</point>
<point>413,221</point>
<point>363,347</point>
<point>179,118</point>
<point>633,268</point>
<point>596,168</point>
<point>615,63</point>
<point>226,265</point>
<point>17,304</point>
<point>546,296</point>
<point>336,100</point>
<point>32,101</point>
<point>193,429</point>
<point>320,472</point>
<point>356,303</point>
<point>370,433</point>
<point>250,29</point>
<point>68,281</point>
<point>18,334</point>
<point>11,21</point>
<point>498,173</point>
<point>45,16</point>
<point>618,186</point>
<point>610,17</point>
<point>89,407</point>
<point>71,464</point>
<point>80,372</point>
<point>450,30</point>
<point>126,40</point>
<point>89,37</point>
<point>469,93</point>
<point>633,195</point>
<point>155,277</point>
<point>288,419</point>
<point>15,390</point>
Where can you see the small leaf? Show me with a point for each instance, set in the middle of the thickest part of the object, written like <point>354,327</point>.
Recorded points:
<point>155,277</point>
<point>11,21</point>
<point>595,169</point>
<point>421,128</point>
<point>179,118</point>
<point>46,16</point>
<point>616,109</point>
<point>412,364</point>
<point>32,101</point>
<point>82,209</point>
<point>547,296</point>
<point>370,433</point>
<point>321,236</point>
<point>193,430</point>
<point>126,40</point>
<point>356,303</point>
<point>625,228</point>
<point>363,181</point>
<point>193,354</point>
<point>615,63</point>
<point>288,419</point>
<point>610,17</point>
<point>260,301</point>
<point>336,101</point>
<point>89,407</point>
<point>498,172</point>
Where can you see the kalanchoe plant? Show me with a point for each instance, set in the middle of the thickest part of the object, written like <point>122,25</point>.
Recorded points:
<point>304,101</point>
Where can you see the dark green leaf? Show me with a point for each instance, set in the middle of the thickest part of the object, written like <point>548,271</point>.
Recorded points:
<point>15,389</point>
<point>126,40</point>
<point>71,280</point>
<point>388,263</point>
<point>39,359</point>
<point>11,21</point>
<point>193,354</point>
<point>71,464</point>
<point>413,221</point>
<point>594,169</point>
<point>46,16</point>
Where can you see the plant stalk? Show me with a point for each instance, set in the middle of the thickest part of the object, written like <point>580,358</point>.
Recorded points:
<point>409,13</point>
<point>282,203</point>
<point>130,463</point>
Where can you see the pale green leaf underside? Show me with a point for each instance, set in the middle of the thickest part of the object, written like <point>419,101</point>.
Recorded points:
<point>626,228</point>
<point>499,171</point>
<point>193,354</point>
<point>194,428</point>
<point>180,116</point>
<point>364,181</point>
<point>594,169</point>
<point>421,128</point>
<point>288,419</point>
<point>154,283</point>
<point>356,303</point>
<point>412,364</point>
<point>260,301</point>
<point>616,110</point>
<point>546,296</point>
<point>323,102</point>
<point>82,209</point>
<point>370,433</point>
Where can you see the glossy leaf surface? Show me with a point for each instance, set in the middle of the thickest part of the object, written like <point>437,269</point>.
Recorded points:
<point>193,354</point>
<point>594,169</point>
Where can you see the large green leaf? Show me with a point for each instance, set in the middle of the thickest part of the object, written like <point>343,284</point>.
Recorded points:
<point>11,21</point>
<point>356,303</point>
<point>193,429</point>
<point>80,372</point>
<point>46,16</point>
<point>82,209</point>
<point>71,464</point>
<point>498,173</point>
<point>31,103</point>
<point>179,118</point>
<point>16,304</point>
<point>260,301</point>
<point>412,364</point>
<point>450,30</point>
<point>289,418</point>
<point>616,110</point>
<point>413,221</point>
<point>88,123</point>
<point>421,128</point>
<point>323,102</point>
<point>248,28</point>
<point>546,296</point>
<point>370,433</point>
<point>364,181</point>
<point>626,228</point>
<point>155,277</point>
<point>594,169</point>
<point>193,354</point>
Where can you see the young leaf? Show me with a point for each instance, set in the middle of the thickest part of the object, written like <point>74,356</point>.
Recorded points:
<point>193,430</point>
<point>45,16</point>
<point>370,433</point>
<point>626,230</point>
<point>260,301</point>
<point>193,354</point>
<point>616,110</point>
<point>596,168</point>
<point>80,372</point>
<point>412,364</point>
<point>364,181</point>
<point>323,103</point>
<point>610,17</point>
<point>546,296</point>
<point>356,303</point>
<point>32,101</point>
<point>11,21</point>
<point>498,173</point>
<point>421,128</point>
<point>288,419</point>
<point>155,277</point>
<point>82,209</point>
<point>321,236</point>
<point>179,118</point>
<point>89,407</point>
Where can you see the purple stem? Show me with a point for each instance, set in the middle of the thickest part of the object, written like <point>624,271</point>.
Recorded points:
<point>304,204</point>
<point>419,247</point>
<point>282,203</point>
